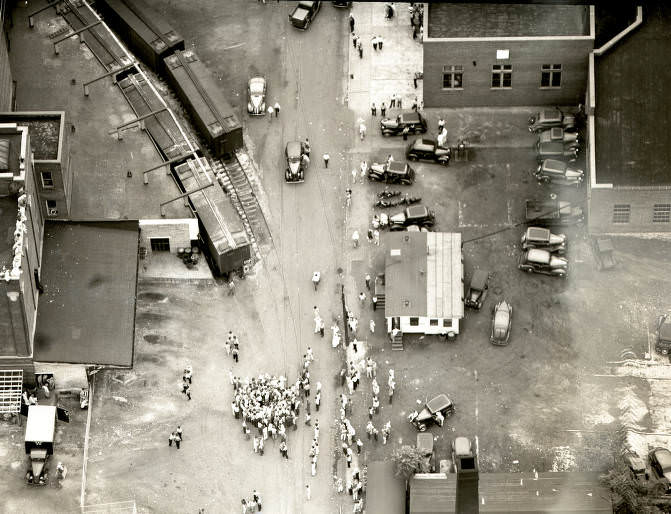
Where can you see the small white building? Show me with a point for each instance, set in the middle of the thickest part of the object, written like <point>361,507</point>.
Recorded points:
<point>423,282</point>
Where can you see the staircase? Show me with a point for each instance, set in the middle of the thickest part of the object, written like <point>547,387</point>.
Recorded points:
<point>397,342</point>
<point>380,302</point>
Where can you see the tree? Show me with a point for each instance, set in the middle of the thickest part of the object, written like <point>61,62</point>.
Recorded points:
<point>409,460</point>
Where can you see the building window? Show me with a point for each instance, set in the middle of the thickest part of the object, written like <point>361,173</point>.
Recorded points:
<point>47,180</point>
<point>51,208</point>
<point>414,322</point>
<point>661,213</point>
<point>551,75</point>
<point>433,322</point>
<point>502,76</point>
<point>621,213</point>
<point>453,77</point>
<point>447,323</point>
<point>160,244</point>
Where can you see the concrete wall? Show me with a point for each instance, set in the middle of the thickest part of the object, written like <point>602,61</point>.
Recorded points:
<point>178,231</point>
<point>424,326</point>
<point>526,57</point>
<point>642,201</point>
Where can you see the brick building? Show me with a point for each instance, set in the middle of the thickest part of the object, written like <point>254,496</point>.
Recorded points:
<point>506,54</point>
<point>629,133</point>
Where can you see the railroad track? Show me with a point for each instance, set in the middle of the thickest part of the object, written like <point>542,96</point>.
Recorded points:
<point>233,178</point>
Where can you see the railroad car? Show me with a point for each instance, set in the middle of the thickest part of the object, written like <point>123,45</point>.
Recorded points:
<point>146,32</point>
<point>204,101</point>
<point>221,229</point>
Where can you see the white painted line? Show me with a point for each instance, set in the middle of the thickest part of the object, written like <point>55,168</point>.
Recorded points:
<point>82,496</point>
<point>236,45</point>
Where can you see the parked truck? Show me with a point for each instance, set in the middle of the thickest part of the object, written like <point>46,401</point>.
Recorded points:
<point>551,213</point>
<point>303,14</point>
<point>39,441</point>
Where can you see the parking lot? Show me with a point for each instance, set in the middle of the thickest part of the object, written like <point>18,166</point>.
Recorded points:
<point>551,399</point>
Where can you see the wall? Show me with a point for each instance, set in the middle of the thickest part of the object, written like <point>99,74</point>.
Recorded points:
<point>424,326</point>
<point>6,80</point>
<point>526,58</point>
<point>642,200</point>
<point>178,231</point>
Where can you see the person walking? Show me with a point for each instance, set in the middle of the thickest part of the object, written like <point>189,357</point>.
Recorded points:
<point>359,47</point>
<point>351,23</point>
<point>355,238</point>
<point>364,170</point>
<point>379,42</point>
<point>244,502</point>
<point>179,432</point>
<point>376,237</point>
<point>373,109</point>
<point>362,297</point>
<point>284,450</point>
<point>326,160</point>
<point>306,160</point>
<point>187,392</point>
<point>178,439</point>
<point>171,439</point>
<point>406,131</point>
<point>374,40</point>
<point>188,374</point>
<point>271,111</point>
<point>318,400</point>
<point>321,327</point>
<point>392,102</point>
<point>362,130</point>
<point>227,346</point>
<point>307,492</point>
<point>316,277</point>
<point>277,115</point>
<point>371,325</point>
<point>231,287</point>
<point>367,279</point>
<point>399,102</point>
<point>383,109</point>
<point>355,39</point>
<point>257,498</point>
<point>236,354</point>
<point>306,148</point>
<point>414,104</point>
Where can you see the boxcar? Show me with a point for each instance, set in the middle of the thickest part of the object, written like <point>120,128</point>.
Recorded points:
<point>204,100</point>
<point>144,30</point>
<point>221,230</point>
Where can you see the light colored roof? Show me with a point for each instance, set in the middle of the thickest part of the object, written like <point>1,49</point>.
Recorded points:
<point>423,275</point>
<point>41,423</point>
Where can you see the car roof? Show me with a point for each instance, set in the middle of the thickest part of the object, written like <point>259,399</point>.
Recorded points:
<point>410,116</point>
<point>552,146</point>
<point>538,234</point>
<point>479,279</point>
<point>554,166</point>
<point>462,446</point>
<point>294,148</point>
<point>550,114</point>
<point>663,456</point>
<point>257,80</point>
<point>396,166</point>
<point>538,256</point>
<point>416,211</point>
<point>439,402</point>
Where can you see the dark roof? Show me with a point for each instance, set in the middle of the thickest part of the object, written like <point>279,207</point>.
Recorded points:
<point>611,18</point>
<point>506,20</point>
<point>86,314</point>
<point>633,87</point>
<point>9,209</point>
<point>385,492</point>
<point>505,493</point>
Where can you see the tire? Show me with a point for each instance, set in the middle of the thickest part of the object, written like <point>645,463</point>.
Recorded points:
<point>444,162</point>
<point>413,158</point>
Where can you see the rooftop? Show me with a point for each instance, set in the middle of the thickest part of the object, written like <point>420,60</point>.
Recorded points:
<point>44,128</point>
<point>514,492</point>
<point>633,86</point>
<point>86,314</point>
<point>506,20</point>
<point>423,274</point>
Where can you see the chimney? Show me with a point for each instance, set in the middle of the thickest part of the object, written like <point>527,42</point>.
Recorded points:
<point>467,497</point>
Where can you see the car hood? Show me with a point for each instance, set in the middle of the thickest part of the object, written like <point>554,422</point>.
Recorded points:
<point>558,262</point>
<point>398,218</point>
<point>294,166</point>
<point>378,167</point>
<point>388,122</point>
<point>556,239</point>
<point>574,173</point>
<point>256,100</point>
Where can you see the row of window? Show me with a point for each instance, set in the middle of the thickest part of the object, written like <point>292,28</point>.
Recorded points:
<point>447,323</point>
<point>502,76</point>
<point>661,213</point>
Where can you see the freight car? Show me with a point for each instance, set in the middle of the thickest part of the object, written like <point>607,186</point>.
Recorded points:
<point>145,31</point>
<point>221,230</point>
<point>203,99</point>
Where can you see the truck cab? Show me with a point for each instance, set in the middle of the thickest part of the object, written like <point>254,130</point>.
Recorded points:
<point>303,14</point>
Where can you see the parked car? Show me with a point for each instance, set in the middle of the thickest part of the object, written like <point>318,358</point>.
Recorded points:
<point>462,451</point>
<point>550,118</point>
<point>425,445</point>
<point>295,171</point>
<point>414,215</point>
<point>414,121</point>
<point>428,150</point>
<point>501,323</point>
<point>604,252</point>
<point>551,213</point>
<point>660,462</point>
<point>543,239</point>
<point>663,335</point>
<point>392,172</point>
<point>558,134</point>
<point>636,466</point>
<point>477,290</point>
<point>557,150</point>
<point>544,262</point>
<point>427,416</point>
<point>303,14</point>
<point>558,172</point>
<point>256,92</point>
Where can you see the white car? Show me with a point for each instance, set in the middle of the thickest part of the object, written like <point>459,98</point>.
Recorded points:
<point>256,91</point>
<point>501,323</point>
